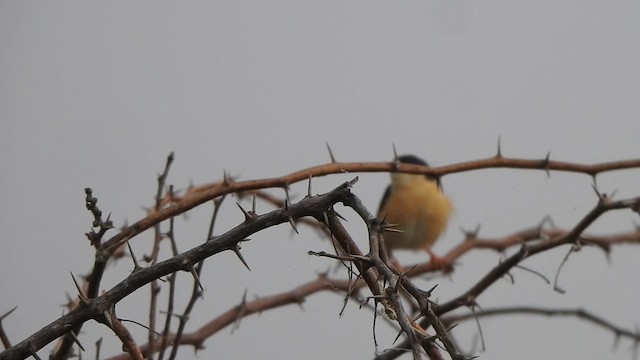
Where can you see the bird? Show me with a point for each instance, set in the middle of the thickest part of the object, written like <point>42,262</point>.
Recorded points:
<point>415,205</point>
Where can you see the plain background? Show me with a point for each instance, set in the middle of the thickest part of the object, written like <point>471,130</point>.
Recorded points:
<point>98,93</point>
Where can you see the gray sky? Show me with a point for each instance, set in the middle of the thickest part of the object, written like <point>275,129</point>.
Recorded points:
<point>97,94</point>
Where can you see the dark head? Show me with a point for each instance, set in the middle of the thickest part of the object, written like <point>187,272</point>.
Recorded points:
<point>412,159</point>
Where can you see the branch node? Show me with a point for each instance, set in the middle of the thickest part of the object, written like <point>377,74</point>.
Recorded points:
<point>247,215</point>
<point>545,163</point>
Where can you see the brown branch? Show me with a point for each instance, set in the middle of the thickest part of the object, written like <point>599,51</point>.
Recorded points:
<point>127,340</point>
<point>527,250</point>
<point>522,237</point>
<point>294,296</point>
<point>298,294</point>
<point>172,288</point>
<point>527,310</point>
<point>198,195</point>
<point>310,206</point>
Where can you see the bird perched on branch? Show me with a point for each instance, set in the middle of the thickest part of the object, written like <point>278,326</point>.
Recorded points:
<point>417,207</point>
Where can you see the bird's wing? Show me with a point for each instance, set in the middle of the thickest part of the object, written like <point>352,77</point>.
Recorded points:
<point>385,198</point>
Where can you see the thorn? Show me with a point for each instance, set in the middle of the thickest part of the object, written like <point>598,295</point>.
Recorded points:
<point>236,249</point>
<point>107,319</point>
<point>286,195</point>
<point>247,216</point>
<point>386,227</point>
<point>340,216</point>
<point>453,326</point>
<point>392,229</point>
<point>309,188</point>
<point>396,160</point>
<point>98,346</point>
<point>83,298</point>
<point>300,303</point>
<point>226,179</point>
<point>136,266</point>
<point>397,337</point>
<point>253,205</point>
<point>471,234</point>
<point>547,219</point>
<point>600,196</point>
<point>194,273</point>
<point>333,159</point>
<point>546,164</point>
<point>499,153</point>
<point>325,217</point>
<point>293,225</point>
<point>402,276</point>
<point>242,311</point>
<point>431,290</point>
<point>75,338</point>
<point>4,316</point>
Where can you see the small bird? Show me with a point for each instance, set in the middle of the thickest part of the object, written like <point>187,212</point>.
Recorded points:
<point>417,207</point>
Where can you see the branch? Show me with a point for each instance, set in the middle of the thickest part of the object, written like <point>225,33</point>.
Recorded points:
<point>527,310</point>
<point>95,308</point>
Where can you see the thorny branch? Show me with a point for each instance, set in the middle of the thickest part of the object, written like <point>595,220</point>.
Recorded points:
<point>324,283</point>
<point>97,306</point>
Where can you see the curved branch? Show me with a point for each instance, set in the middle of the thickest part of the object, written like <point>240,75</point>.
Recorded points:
<point>298,294</point>
<point>528,310</point>
<point>95,308</point>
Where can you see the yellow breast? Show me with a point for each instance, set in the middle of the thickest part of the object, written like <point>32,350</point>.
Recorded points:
<point>418,208</point>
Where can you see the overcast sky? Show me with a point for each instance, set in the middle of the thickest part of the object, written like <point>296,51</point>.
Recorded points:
<point>98,93</point>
